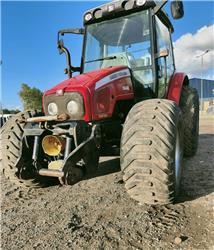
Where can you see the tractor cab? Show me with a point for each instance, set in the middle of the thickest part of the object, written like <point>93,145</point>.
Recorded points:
<point>136,34</point>
<point>125,40</point>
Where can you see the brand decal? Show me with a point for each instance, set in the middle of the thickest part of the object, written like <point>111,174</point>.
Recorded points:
<point>125,88</point>
<point>59,92</point>
<point>112,77</point>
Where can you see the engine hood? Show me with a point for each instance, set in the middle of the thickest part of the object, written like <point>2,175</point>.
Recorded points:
<point>86,80</point>
<point>100,90</point>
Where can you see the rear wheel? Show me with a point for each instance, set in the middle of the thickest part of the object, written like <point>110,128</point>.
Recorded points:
<point>152,151</point>
<point>11,138</point>
<point>190,108</point>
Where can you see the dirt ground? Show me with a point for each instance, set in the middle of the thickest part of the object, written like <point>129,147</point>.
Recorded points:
<point>98,214</point>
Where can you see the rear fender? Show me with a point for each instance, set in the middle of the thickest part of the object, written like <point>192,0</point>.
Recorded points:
<point>175,86</point>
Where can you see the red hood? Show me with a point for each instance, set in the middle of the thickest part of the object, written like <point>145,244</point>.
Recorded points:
<point>100,89</point>
<point>87,79</point>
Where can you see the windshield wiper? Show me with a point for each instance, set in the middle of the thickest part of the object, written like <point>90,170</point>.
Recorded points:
<point>102,59</point>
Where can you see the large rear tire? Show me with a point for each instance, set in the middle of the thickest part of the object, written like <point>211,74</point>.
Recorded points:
<point>152,151</point>
<point>11,140</point>
<point>189,104</point>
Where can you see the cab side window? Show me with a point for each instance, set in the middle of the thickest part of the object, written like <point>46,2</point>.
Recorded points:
<point>165,65</point>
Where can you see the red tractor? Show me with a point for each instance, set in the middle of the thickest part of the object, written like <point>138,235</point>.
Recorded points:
<point>128,98</point>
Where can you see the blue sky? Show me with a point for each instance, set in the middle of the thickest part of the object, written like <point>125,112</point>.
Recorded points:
<point>29,29</point>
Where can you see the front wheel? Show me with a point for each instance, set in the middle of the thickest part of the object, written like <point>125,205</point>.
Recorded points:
<point>152,151</point>
<point>11,140</point>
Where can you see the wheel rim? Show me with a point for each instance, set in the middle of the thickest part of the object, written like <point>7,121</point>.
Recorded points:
<point>178,153</point>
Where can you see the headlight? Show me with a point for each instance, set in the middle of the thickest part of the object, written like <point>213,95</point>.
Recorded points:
<point>73,107</point>
<point>52,108</point>
<point>70,103</point>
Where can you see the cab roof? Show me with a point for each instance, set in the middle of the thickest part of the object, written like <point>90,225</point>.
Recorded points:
<point>119,8</point>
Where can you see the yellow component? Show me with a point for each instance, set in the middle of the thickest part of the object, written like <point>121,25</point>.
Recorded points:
<point>53,145</point>
<point>55,165</point>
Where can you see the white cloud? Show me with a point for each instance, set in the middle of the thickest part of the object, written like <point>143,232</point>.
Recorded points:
<point>189,46</point>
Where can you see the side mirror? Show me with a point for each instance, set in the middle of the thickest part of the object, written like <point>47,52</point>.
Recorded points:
<point>177,9</point>
<point>60,46</point>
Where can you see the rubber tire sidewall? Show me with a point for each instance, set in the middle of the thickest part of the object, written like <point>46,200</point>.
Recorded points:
<point>189,104</point>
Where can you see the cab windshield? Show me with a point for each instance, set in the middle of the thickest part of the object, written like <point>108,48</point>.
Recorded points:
<point>121,41</point>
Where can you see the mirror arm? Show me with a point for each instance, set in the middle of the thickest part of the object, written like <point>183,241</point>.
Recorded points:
<point>75,69</point>
<point>80,31</point>
<point>70,69</point>
<point>160,6</point>
<point>68,59</point>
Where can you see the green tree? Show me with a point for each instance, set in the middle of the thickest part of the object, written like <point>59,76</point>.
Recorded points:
<point>15,111</point>
<point>6,111</point>
<point>10,111</point>
<point>31,97</point>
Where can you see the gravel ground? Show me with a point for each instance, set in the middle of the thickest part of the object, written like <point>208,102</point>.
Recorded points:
<point>98,214</point>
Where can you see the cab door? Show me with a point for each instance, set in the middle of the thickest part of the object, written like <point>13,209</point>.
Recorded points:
<point>164,57</point>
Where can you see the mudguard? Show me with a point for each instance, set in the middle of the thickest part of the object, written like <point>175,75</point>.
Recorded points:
<point>175,86</point>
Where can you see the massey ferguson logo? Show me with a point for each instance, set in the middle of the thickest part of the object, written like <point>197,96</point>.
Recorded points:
<point>119,74</point>
<point>112,77</point>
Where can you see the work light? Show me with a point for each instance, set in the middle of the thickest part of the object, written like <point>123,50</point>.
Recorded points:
<point>98,13</point>
<point>128,5</point>
<point>88,16</point>
<point>140,2</point>
<point>111,8</point>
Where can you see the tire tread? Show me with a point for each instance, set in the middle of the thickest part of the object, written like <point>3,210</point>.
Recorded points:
<point>147,167</point>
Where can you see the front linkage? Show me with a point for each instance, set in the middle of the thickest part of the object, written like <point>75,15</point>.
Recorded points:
<point>52,146</point>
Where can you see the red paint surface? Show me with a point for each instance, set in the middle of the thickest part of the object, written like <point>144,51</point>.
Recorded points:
<point>105,98</point>
<point>175,87</point>
<point>99,103</point>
